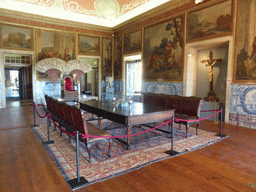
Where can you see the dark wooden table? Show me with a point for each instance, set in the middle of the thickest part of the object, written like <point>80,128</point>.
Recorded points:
<point>135,114</point>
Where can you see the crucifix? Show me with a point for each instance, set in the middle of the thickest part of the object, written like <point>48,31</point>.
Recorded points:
<point>210,63</point>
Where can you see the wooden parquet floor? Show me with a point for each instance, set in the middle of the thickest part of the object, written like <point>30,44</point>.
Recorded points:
<point>229,165</point>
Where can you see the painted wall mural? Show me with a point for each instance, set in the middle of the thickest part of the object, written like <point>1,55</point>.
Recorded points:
<point>163,51</point>
<point>132,42</point>
<point>88,45</point>
<point>55,44</point>
<point>245,48</point>
<point>118,58</point>
<point>106,58</point>
<point>210,22</point>
<point>13,37</point>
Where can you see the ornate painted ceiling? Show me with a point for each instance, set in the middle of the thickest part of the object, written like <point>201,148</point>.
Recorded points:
<point>108,13</point>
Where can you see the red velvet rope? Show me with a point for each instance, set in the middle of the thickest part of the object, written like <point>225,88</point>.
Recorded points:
<point>69,133</point>
<point>84,136</point>
<point>177,120</point>
<point>38,113</point>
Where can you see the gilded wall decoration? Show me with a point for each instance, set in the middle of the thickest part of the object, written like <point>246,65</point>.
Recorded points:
<point>118,58</point>
<point>163,51</point>
<point>15,37</point>
<point>106,58</point>
<point>210,22</point>
<point>245,43</point>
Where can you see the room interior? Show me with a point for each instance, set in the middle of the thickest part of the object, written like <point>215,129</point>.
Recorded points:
<point>108,34</point>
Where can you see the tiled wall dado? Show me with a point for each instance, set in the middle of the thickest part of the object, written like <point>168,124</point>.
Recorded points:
<point>163,87</point>
<point>243,105</point>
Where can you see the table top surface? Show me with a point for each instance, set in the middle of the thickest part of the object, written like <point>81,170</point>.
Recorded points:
<point>136,108</point>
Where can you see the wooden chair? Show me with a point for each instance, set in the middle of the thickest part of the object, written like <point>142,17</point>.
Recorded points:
<point>87,128</point>
<point>191,109</point>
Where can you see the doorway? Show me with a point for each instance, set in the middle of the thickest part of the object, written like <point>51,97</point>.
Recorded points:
<point>133,77</point>
<point>12,84</point>
<point>90,80</point>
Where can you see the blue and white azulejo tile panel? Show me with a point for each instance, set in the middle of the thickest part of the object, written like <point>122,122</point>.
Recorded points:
<point>163,87</point>
<point>47,88</point>
<point>243,99</point>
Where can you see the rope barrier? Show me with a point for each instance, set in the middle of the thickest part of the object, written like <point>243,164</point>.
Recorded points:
<point>69,133</point>
<point>38,112</point>
<point>84,136</point>
<point>176,119</point>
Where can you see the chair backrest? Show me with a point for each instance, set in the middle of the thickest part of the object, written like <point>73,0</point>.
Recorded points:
<point>68,84</point>
<point>47,103</point>
<point>79,121</point>
<point>53,106</point>
<point>175,102</point>
<point>192,106</point>
<point>67,114</point>
<point>59,110</point>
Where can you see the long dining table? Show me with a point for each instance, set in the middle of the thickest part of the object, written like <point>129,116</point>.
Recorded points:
<point>130,115</point>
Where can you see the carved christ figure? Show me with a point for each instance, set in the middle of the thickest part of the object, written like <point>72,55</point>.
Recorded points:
<point>210,63</point>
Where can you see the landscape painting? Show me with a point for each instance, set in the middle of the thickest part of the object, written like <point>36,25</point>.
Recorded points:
<point>214,21</point>
<point>245,43</point>
<point>106,58</point>
<point>55,44</point>
<point>132,42</point>
<point>118,58</point>
<point>163,51</point>
<point>14,37</point>
<point>89,45</point>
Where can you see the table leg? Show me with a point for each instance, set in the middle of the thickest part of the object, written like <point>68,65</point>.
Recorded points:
<point>128,132</point>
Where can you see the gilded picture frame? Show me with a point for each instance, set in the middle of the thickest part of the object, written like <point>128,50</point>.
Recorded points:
<point>244,70</point>
<point>16,37</point>
<point>88,45</point>
<point>132,42</point>
<point>118,58</point>
<point>55,44</point>
<point>210,22</point>
<point>163,51</point>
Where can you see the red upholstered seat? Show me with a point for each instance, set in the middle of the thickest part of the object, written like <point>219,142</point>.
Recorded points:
<point>68,84</point>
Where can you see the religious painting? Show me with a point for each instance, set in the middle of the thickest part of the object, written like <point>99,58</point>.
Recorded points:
<point>89,45</point>
<point>210,22</point>
<point>132,42</point>
<point>106,58</point>
<point>55,44</point>
<point>118,58</point>
<point>163,51</point>
<point>15,37</point>
<point>245,43</point>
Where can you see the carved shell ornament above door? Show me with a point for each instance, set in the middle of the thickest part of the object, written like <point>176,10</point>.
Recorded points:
<point>55,67</point>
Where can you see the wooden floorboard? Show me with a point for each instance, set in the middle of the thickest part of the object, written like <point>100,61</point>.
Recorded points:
<point>228,165</point>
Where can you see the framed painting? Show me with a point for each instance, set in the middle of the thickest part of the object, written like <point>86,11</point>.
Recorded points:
<point>118,58</point>
<point>55,44</point>
<point>163,51</point>
<point>16,37</point>
<point>245,43</point>
<point>210,22</point>
<point>106,58</point>
<point>132,42</point>
<point>88,45</point>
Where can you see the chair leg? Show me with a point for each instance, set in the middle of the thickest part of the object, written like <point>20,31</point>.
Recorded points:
<point>179,126</point>
<point>197,127</point>
<point>109,148</point>
<point>187,131</point>
<point>69,138</point>
<point>89,151</point>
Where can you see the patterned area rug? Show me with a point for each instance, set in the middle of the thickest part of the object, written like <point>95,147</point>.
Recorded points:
<point>151,148</point>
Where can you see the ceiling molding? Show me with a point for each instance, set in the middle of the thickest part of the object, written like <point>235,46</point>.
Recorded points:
<point>53,21</point>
